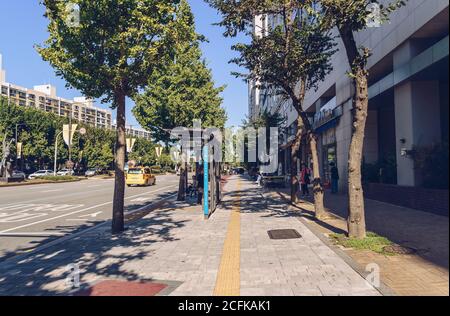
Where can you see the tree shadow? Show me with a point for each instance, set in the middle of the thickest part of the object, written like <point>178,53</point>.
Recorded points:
<point>97,254</point>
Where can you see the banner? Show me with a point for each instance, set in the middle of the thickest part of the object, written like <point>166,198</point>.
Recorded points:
<point>19,150</point>
<point>130,144</point>
<point>68,133</point>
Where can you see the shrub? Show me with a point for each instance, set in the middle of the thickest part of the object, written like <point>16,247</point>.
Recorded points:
<point>58,178</point>
<point>431,162</point>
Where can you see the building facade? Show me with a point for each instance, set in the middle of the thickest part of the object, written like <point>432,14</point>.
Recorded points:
<point>44,97</point>
<point>408,87</point>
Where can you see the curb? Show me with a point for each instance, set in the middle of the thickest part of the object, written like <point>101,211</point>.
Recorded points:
<point>38,183</point>
<point>149,208</point>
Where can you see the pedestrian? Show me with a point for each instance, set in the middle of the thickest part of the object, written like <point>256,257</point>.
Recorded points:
<point>200,185</point>
<point>334,178</point>
<point>305,180</point>
<point>258,178</point>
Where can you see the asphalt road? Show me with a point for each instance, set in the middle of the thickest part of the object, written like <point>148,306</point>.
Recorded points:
<point>31,216</point>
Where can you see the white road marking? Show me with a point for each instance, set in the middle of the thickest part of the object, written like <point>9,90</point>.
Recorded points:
<point>92,215</point>
<point>33,234</point>
<point>50,191</point>
<point>141,199</point>
<point>76,212</point>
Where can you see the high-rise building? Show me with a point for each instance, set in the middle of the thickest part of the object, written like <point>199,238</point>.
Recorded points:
<point>44,97</point>
<point>408,92</point>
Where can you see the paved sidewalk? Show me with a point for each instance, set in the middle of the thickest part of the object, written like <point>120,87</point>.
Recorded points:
<point>229,254</point>
<point>422,273</point>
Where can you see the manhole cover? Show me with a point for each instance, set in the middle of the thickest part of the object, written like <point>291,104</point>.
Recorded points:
<point>284,234</point>
<point>399,250</point>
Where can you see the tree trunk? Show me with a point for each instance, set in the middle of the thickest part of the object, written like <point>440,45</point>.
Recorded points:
<point>356,219</point>
<point>118,224</point>
<point>317,183</point>
<point>295,149</point>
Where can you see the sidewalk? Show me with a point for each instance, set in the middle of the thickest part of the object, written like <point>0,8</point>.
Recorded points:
<point>422,273</point>
<point>177,252</point>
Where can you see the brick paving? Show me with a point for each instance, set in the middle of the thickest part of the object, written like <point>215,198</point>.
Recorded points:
<point>176,245</point>
<point>422,274</point>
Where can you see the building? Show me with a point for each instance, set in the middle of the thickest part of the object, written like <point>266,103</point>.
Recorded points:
<point>44,97</point>
<point>136,132</point>
<point>409,101</point>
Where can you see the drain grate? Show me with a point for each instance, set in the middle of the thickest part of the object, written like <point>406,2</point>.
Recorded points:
<point>281,234</point>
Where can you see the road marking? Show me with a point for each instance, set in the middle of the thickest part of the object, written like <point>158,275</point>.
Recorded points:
<point>33,234</point>
<point>50,191</point>
<point>141,199</point>
<point>76,212</point>
<point>92,215</point>
<point>228,280</point>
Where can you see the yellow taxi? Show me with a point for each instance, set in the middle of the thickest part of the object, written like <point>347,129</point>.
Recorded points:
<point>140,176</point>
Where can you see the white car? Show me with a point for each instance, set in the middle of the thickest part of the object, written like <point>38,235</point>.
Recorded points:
<point>65,172</point>
<point>40,173</point>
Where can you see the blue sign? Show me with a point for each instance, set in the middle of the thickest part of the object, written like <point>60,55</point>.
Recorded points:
<point>206,181</point>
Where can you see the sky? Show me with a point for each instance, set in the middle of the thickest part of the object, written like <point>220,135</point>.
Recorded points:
<point>23,26</point>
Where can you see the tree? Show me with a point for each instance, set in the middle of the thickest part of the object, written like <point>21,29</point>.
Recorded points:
<point>181,93</point>
<point>288,58</point>
<point>350,17</point>
<point>144,152</point>
<point>265,120</point>
<point>111,54</point>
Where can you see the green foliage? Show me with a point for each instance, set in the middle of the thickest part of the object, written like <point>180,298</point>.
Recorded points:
<point>115,47</point>
<point>58,178</point>
<point>372,242</point>
<point>432,164</point>
<point>383,171</point>
<point>144,153</point>
<point>181,92</point>
<point>297,49</point>
<point>93,150</point>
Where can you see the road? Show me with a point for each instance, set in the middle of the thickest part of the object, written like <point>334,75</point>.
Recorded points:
<point>31,216</point>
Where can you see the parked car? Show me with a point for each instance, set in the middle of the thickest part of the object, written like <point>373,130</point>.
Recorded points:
<point>65,172</point>
<point>40,173</point>
<point>18,175</point>
<point>91,172</point>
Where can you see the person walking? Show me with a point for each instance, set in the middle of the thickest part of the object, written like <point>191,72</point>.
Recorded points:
<point>334,178</point>
<point>305,180</point>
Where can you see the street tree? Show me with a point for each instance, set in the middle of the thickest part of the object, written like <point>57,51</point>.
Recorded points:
<point>110,52</point>
<point>287,58</point>
<point>350,17</point>
<point>182,92</point>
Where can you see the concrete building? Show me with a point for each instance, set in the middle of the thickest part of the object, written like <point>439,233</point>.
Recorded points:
<point>408,94</point>
<point>44,97</point>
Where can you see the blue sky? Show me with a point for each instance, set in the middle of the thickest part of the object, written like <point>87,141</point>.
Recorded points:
<point>24,26</point>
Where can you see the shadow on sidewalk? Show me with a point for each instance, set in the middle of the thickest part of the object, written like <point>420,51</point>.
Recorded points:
<point>97,253</point>
<point>425,232</point>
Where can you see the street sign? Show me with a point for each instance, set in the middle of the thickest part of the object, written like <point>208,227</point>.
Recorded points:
<point>68,132</point>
